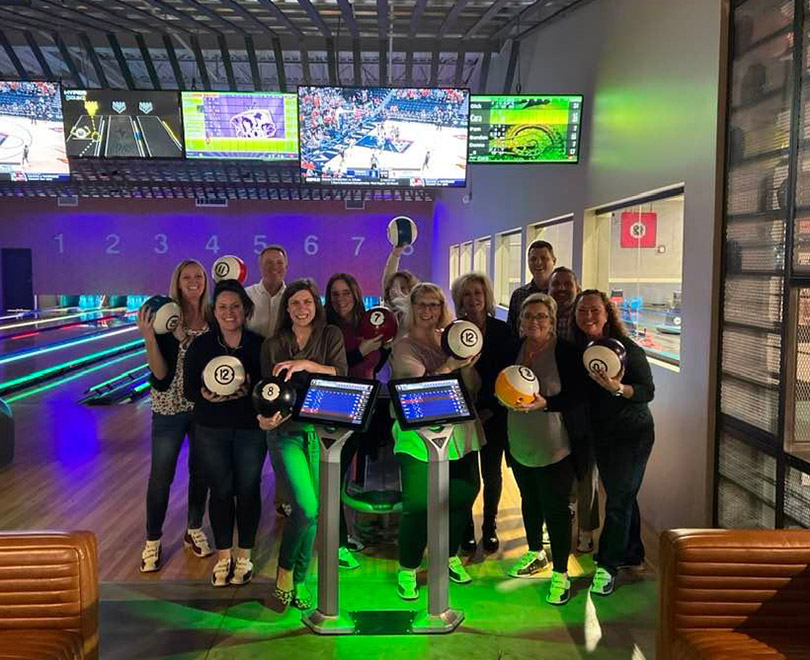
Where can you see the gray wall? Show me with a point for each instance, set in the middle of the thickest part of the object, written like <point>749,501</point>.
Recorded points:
<point>650,71</point>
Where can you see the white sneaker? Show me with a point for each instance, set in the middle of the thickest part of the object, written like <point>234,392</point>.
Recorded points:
<point>585,542</point>
<point>198,542</point>
<point>150,557</point>
<point>531,563</point>
<point>223,570</point>
<point>242,571</point>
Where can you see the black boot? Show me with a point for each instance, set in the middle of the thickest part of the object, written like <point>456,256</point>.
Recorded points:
<point>490,538</point>
<point>468,544</point>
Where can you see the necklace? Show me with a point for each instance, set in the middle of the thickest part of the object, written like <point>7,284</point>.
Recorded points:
<point>231,350</point>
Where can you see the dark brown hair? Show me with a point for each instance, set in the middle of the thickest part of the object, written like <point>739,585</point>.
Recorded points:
<point>358,309</point>
<point>614,326</point>
<point>234,287</point>
<point>284,325</point>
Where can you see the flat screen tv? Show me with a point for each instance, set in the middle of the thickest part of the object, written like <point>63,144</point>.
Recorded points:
<point>525,129</point>
<point>240,125</point>
<point>383,136</point>
<point>32,135</point>
<point>110,123</point>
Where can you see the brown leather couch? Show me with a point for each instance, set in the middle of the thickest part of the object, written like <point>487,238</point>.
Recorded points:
<point>48,596</point>
<point>734,594</point>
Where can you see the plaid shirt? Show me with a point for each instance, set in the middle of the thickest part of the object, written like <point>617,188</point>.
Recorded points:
<point>518,296</point>
<point>564,321</point>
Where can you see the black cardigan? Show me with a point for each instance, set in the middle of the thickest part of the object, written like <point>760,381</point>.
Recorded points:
<point>572,402</point>
<point>169,347</point>
<point>235,413</point>
<point>500,349</point>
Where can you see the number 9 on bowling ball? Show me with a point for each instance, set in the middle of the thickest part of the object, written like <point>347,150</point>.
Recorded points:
<point>273,395</point>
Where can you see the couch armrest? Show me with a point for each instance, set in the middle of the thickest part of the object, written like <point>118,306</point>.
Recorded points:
<point>722,580</point>
<point>49,580</point>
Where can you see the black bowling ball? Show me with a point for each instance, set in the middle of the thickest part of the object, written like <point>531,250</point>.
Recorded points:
<point>272,395</point>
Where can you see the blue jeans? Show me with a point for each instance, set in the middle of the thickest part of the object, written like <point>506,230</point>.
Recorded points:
<point>296,455</point>
<point>168,432</point>
<point>622,461</point>
<point>233,461</point>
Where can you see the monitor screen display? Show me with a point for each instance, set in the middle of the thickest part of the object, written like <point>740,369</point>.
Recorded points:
<point>32,135</point>
<point>339,402</point>
<point>383,136</point>
<point>525,129</point>
<point>240,125</point>
<point>107,123</point>
<point>433,400</point>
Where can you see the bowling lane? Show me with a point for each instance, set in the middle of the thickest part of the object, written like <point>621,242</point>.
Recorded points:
<point>12,317</point>
<point>15,326</point>
<point>115,339</point>
<point>159,143</point>
<point>71,331</point>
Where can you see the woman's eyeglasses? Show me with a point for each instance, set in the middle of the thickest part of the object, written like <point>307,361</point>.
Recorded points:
<point>432,306</point>
<point>536,317</point>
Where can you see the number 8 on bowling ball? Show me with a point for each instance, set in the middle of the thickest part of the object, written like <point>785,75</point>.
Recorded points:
<point>273,395</point>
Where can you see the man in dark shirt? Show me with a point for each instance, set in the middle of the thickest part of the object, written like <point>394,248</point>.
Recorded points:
<point>563,287</point>
<point>541,261</point>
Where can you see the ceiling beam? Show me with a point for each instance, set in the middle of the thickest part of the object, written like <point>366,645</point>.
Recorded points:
<point>305,65</point>
<point>357,62</point>
<point>122,61</point>
<point>226,62</point>
<point>169,9</point>
<point>409,66</point>
<point>250,49</point>
<point>125,26</point>
<point>18,65</point>
<point>416,17</point>
<point>452,16</point>
<point>67,58</point>
<point>45,25</point>
<point>331,64</point>
<point>458,73</point>
<point>147,60</point>
<point>205,9</point>
<point>348,17</point>
<point>282,17</point>
<point>202,69</point>
<point>151,16</point>
<point>435,60</point>
<point>382,19</point>
<point>84,40</point>
<point>487,16</point>
<point>484,73</point>
<point>239,9</point>
<point>64,8</point>
<point>43,62</point>
<point>278,56</point>
<point>383,62</point>
<point>514,54</point>
<point>178,73</point>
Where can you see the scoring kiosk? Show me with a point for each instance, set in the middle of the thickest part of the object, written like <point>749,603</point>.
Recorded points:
<point>431,406</point>
<point>338,407</point>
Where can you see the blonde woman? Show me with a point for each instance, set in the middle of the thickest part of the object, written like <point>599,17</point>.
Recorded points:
<point>172,412</point>
<point>417,354</point>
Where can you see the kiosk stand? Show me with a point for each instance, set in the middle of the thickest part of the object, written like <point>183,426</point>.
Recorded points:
<point>337,407</point>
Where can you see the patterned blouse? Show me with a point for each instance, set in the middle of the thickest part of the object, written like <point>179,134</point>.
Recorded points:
<point>172,401</point>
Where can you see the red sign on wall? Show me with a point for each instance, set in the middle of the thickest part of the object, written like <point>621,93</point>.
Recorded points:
<point>639,230</point>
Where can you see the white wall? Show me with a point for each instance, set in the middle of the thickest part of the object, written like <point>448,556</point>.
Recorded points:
<point>650,71</point>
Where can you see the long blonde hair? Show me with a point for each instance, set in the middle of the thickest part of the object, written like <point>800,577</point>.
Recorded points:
<point>461,283</point>
<point>427,289</point>
<point>176,294</point>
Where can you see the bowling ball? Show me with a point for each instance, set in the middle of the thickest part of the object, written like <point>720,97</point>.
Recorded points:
<point>229,267</point>
<point>401,231</point>
<point>166,314</point>
<point>516,385</point>
<point>378,321</point>
<point>606,355</point>
<point>273,395</point>
<point>462,340</point>
<point>223,375</point>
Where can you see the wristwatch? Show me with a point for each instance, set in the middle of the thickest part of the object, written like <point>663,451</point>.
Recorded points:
<point>619,392</point>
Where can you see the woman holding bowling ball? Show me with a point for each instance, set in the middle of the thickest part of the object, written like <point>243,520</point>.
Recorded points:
<point>172,412</point>
<point>623,433</point>
<point>475,301</point>
<point>548,442</point>
<point>419,353</point>
<point>220,369</point>
<point>302,344</point>
<point>365,357</point>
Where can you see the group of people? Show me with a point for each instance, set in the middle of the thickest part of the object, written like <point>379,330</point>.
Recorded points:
<point>580,427</point>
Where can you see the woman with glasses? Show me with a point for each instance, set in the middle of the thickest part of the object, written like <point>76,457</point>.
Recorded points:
<point>419,353</point>
<point>546,441</point>
<point>623,433</point>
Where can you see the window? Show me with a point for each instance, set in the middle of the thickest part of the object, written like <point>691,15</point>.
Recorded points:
<point>454,263</point>
<point>482,247</point>
<point>560,233</point>
<point>508,265</point>
<point>465,258</point>
<point>640,255</point>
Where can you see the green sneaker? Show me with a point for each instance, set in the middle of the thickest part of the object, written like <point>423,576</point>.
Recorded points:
<point>407,588</point>
<point>346,559</point>
<point>458,573</point>
<point>560,590</point>
<point>603,582</point>
<point>529,564</point>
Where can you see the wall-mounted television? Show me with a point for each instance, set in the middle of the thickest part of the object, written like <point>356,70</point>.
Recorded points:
<point>240,125</point>
<point>383,136</point>
<point>110,123</point>
<point>525,129</point>
<point>32,135</point>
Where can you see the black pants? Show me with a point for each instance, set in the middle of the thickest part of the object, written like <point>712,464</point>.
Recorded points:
<point>544,495</point>
<point>346,455</point>
<point>464,485</point>
<point>491,457</point>
<point>622,460</point>
<point>233,461</point>
<point>168,433</point>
